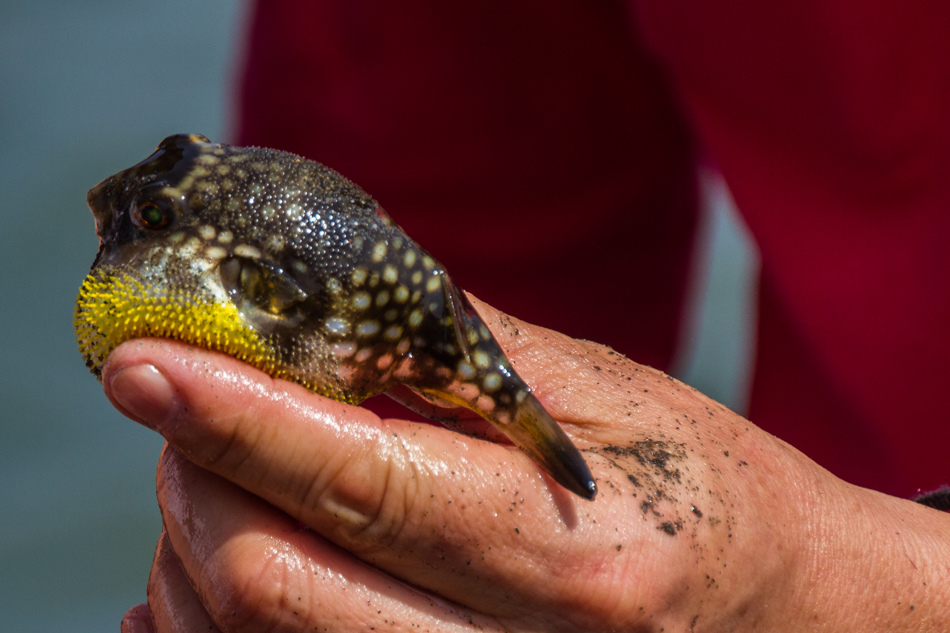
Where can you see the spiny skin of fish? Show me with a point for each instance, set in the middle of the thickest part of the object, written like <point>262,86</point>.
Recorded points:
<point>287,265</point>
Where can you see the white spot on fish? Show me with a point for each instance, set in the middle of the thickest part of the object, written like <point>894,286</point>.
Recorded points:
<point>361,300</point>
<point>485,403</point>
<point>216,252</point>
<point>275,244</point>
<point>337,326</point>
<point>492,382</point>
<point>367,329</point>
<point>191,245</point>
<point>358,276</point>
<point>482,361</point>
<point>248,251</point>
<point>465,371</point>
<point>208,186</point>
<point>171,192</point>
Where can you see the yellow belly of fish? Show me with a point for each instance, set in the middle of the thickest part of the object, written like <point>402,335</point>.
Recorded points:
<point>116,308</point>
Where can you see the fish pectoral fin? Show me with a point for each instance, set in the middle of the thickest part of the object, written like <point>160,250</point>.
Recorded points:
<point>449,412</point>
<point>265,294</point>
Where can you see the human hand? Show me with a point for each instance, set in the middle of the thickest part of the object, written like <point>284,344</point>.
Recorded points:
<point>702,522</point>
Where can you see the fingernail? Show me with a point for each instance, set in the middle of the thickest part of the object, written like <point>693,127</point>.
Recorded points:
<point>144,394</point>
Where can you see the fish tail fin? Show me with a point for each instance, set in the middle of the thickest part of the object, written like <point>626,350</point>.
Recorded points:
<point>535,432</point>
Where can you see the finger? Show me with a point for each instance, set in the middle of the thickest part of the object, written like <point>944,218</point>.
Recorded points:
<point>138,619</point>
<point>257,569</point>
<point>474,521</point>
<point>174,605</point>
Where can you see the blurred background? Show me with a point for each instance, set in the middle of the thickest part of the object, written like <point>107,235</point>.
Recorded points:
<point>89,88</point>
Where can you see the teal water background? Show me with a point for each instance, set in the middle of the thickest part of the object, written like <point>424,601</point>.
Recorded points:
<point>86,89</point>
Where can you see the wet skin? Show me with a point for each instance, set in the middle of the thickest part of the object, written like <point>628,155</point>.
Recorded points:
<point>285,264</point>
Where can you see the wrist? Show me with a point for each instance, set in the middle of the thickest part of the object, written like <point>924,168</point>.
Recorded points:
<point>877,563</point>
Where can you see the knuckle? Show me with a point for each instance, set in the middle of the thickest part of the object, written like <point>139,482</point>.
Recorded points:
<point>256,597</point>
<point>232,448</point>
<point>367,501</point>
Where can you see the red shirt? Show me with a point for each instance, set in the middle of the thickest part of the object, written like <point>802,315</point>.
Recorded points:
<point>544,151</point>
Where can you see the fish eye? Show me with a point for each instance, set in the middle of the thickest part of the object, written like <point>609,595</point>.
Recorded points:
<point>153,215</point>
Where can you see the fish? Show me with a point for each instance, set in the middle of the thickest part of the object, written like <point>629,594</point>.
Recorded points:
<point>283,263</point>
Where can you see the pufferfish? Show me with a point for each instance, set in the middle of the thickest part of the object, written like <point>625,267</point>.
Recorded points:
<point>285,264</point>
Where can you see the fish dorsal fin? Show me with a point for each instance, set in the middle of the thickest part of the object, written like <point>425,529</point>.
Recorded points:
<point>462,312</point>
